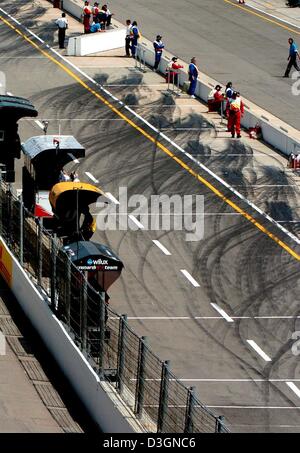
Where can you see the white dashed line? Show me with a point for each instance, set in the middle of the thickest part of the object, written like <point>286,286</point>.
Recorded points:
<point>135,220</point>
<point>259,350</point>
<point>73,158</point>
<point>190,278</point>
<point>91,177</point>
<point>39,124</point>
<point>222,312</point>
<point>294,388</point>
<point>161,247</point>
<point>112,198</point>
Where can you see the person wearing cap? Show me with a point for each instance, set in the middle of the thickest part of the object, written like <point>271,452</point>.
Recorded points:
<point>158,49</point>
<point>236,111</point>
<point>135,36</point>
<point>172,71</point>
<point>215,98</point>
<point>229,90</point>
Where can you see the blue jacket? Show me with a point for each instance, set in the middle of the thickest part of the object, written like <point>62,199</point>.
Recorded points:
<point>193,72</point>
<point>293,50</point>
<point>158,46</point>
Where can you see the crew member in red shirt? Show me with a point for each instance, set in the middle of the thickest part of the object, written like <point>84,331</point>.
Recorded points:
<point>172,71</point>
<point>87,12</point>
<point>236,111</point>
<point>215,98</point>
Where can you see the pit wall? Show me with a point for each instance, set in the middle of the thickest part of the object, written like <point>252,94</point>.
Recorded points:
<point>100,399</point>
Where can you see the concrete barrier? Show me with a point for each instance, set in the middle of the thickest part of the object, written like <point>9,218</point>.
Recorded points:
<point>72,8</point>
<point>274,131</point>
<point>2,83</point>
<point>100,399</point>
<point>96,42</point>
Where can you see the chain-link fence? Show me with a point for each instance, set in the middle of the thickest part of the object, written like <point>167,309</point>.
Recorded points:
<point>158,399</point>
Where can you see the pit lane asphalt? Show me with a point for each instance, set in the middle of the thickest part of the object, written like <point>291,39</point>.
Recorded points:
<point>230,43</point>
<point>236,265</point>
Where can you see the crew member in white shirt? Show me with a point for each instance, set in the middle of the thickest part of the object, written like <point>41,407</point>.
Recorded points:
<point>62,24</point>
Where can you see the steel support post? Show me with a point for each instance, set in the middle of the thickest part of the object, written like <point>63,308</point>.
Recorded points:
<point>140,387</point>
<point>102,335</point>
<point>163,397</point>
<point>189,410</point>
<point>121,353</point>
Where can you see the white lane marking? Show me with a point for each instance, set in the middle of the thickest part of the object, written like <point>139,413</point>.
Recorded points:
<point>271,15</point>
<point>226,407</point>
<point>294,388</point>
<point>171,318</point>
<point>165,137</point>
<point>91,177</point>
<point>74,158</point>
<point>161,247</point>
<point>222,312</point>
<point>238,380</point>
<point>39,124</point>
<point>190,278</point>
<point>221,380</point>
<point>23,58</point>
<point>132,85</point>
<point>9,94</point>
<point>253,407</point>
<point>135,220</point>
<point>268,185</point>
<point>259,350</point>
<point>112,198</point>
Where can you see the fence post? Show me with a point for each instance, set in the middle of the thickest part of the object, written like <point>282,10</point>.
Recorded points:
<point>143,60</point>
<point>189,410</point>
<point>102,335</point>
<point>136,56</point>
<point>168,78</point>
<point>40,252</point>
<point>68,291</point>
<point>9,209</point>
<point>83,317</point>
<point>222,111</point>
<point>163,397</point>
<point>219,424</point>
<point>21,231</point>
<point>53,273</point>
<point>140,387</point>
<point>121,353</point>
<point>178,93</point>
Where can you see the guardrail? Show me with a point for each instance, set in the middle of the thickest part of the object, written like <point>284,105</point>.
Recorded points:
<point>148,388</point>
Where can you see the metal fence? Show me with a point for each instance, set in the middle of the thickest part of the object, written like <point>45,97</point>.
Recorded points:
<point>158,399</point>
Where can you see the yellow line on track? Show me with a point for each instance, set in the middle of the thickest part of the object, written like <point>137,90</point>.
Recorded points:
<point>261,16</point>
<point>158,144</point>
